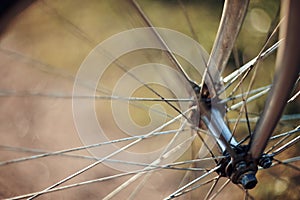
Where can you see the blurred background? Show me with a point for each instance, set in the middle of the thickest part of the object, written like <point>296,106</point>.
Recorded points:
<point>42,45</point>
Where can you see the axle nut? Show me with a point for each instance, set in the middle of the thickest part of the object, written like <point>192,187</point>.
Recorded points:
<point>248,180</point>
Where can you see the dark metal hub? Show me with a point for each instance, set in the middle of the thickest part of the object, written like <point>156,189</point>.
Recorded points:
<point>244,173</point>
<point>242,168</point>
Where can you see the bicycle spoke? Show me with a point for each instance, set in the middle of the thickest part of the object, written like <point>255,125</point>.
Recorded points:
<point>294,97</point>
<point>296,130</point>
<point>286,163</point>
<point>231,78</point>
<point>290,160</point>
<point>283,139</point>
<point>255,119</point>
<point>238,96</point>
<point>36,94</point>
<point>180,190</point>
<point>247,195</point>
<point>86,38</point>
<point>214,180</point>
<point>163,156</point>
<point>286,146</point>
<point>170,55</point>
<point>61,152</point>
<point>188,20</point>
<point>6,93</point>
<point>80,184</point>
<point>103,159</point>
<point>249,99</point>
<point>246,98</point>
<point>171,166</point>
<point>220,190</point>
<point>212,187</point>
<point>252,63</point>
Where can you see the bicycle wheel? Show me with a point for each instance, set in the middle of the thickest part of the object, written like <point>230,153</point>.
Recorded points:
<point>93,105</point>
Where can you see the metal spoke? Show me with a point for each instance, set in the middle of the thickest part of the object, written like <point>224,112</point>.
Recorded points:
<point>82,35</point>
<point>6,93</point>
<point>219,131</point>
<point>249,99</point>
<point>294,97</point>
<point>169,53</point>
<point>283,139</point>
<point>254,91</point>
<point>234,75</point>
<point>163,156</point>
<point>288,164</point>
<point>220,190</point>
<point>189,22</point>
<point>214,180</point>
<point>62,152</point>
<point>296,130</point>
<point>106,157</point>
<point>248,196</point>
<point>255,119</point>
<point>180,190</point>
<point>80,184</point>
<point>212,187</point>
<point>286,146</point>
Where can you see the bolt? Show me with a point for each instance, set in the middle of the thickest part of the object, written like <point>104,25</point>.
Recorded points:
<point>248,180</point>
<point>265,161</point>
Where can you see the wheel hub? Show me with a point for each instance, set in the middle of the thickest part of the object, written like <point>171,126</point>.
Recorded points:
<point>242,169</point>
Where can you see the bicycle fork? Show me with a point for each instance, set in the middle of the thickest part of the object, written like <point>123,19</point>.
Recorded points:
<point>242,161</point>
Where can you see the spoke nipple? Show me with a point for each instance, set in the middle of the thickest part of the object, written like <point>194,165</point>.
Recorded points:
<point>248,180</point>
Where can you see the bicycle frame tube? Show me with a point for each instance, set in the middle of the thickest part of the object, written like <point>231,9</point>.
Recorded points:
<point>220,131</point>
<point>287,72</point>
<point>233,15</point>
<point>231,21</point>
